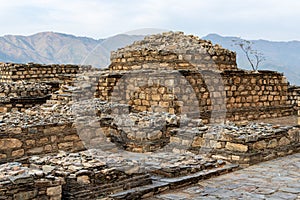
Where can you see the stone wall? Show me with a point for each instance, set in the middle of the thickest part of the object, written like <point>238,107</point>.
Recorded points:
<point>241,94</point>
<point>31,72</point>
<point>21,104</point>
<point>294,98</point>
<point>20,142</point>
<point>19,182</point>
<point>18,96</point>
<point>252,95</point>
<point>26,85</point>
<point>173,50</point>
<point>248,144</point>
<point>96,174</point>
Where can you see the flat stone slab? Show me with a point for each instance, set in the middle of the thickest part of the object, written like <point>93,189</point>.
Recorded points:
<point>275,179</point>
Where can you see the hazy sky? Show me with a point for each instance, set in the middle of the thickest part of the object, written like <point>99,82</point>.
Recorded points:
<point>251,19</point>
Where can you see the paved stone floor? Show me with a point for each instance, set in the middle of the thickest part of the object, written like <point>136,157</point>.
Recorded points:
<point>275,179</point>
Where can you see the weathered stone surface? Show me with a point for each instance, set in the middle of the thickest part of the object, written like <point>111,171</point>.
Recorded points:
<point>250,183</point>
<point>26,195</point>
<point>83,179</point>
<point>65,145</point>
<point>54,191</point>
<point>47,168</point>
<point>10,143</point>
<point>260,145</point>
<point>236,147</point>
<point>36,150</point>
<point>272,143</point>
<point>283,141</point>
<point>2,156</point>
<point>198,142</point>
<point>18,153</point>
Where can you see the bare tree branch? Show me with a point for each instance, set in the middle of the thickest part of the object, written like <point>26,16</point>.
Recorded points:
<point>254,57</point>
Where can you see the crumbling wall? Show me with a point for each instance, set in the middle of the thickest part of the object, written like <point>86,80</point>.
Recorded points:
<point>21,142</point>
<point>248,144</point>
<point>294,98</point>
<point>172,50</point>
<point>18,96</point>
<point>241,94</point>
<point>32,72</point>
<point>26,85</point>
<point>19,182</point>
<point>252,95</point>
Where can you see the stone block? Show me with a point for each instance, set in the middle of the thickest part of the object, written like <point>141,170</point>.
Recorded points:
<point>30,142</point>
<point>54,191</point>
<point>155,97</point>
<point>51,130</point>
<point>10,143</point>
<point>198,142</point>
<point>272,143</point>
<point>236,147</point>
<point>154,135</point>
<point>283,141</point>
<point>26,195</point>
<point>145,103</point>
<point>36,150</point>
<point>65,145</point>
<point>42,141</point>
<point>3,156</point>
<point>260,145</point>
<point>71,138</point>
<point>18,153</point>
<point>53,138</point>
<point>48,148</point>
<point>235,158</point>
<point>164,104</point>
<point>83,179</point>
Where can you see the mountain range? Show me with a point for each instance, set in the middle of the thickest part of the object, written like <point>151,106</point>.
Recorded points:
<point>51,47</point>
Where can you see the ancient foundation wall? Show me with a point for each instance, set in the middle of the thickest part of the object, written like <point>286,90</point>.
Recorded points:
<point>253,95</point>
<point>241,94</point>
<point>294,97</point>
<point>27,187</point>
<point>252,149</point>
<point>17,143</point>
<point>21,104</point>
<point>32,72</point>
<point>18,96</point>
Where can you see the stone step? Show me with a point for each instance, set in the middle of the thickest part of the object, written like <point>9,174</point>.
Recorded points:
<point>160,185</point>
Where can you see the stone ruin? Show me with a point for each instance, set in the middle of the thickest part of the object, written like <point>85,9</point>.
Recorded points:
<point>169,111</point>
<point>209,70</point>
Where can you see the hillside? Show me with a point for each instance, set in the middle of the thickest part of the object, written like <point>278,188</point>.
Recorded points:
<point>50,47</point>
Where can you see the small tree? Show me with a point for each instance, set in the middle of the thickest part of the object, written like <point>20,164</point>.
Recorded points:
<point>253,56</point>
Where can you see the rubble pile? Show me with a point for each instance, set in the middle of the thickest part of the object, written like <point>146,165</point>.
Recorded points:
<point>23,89</point>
